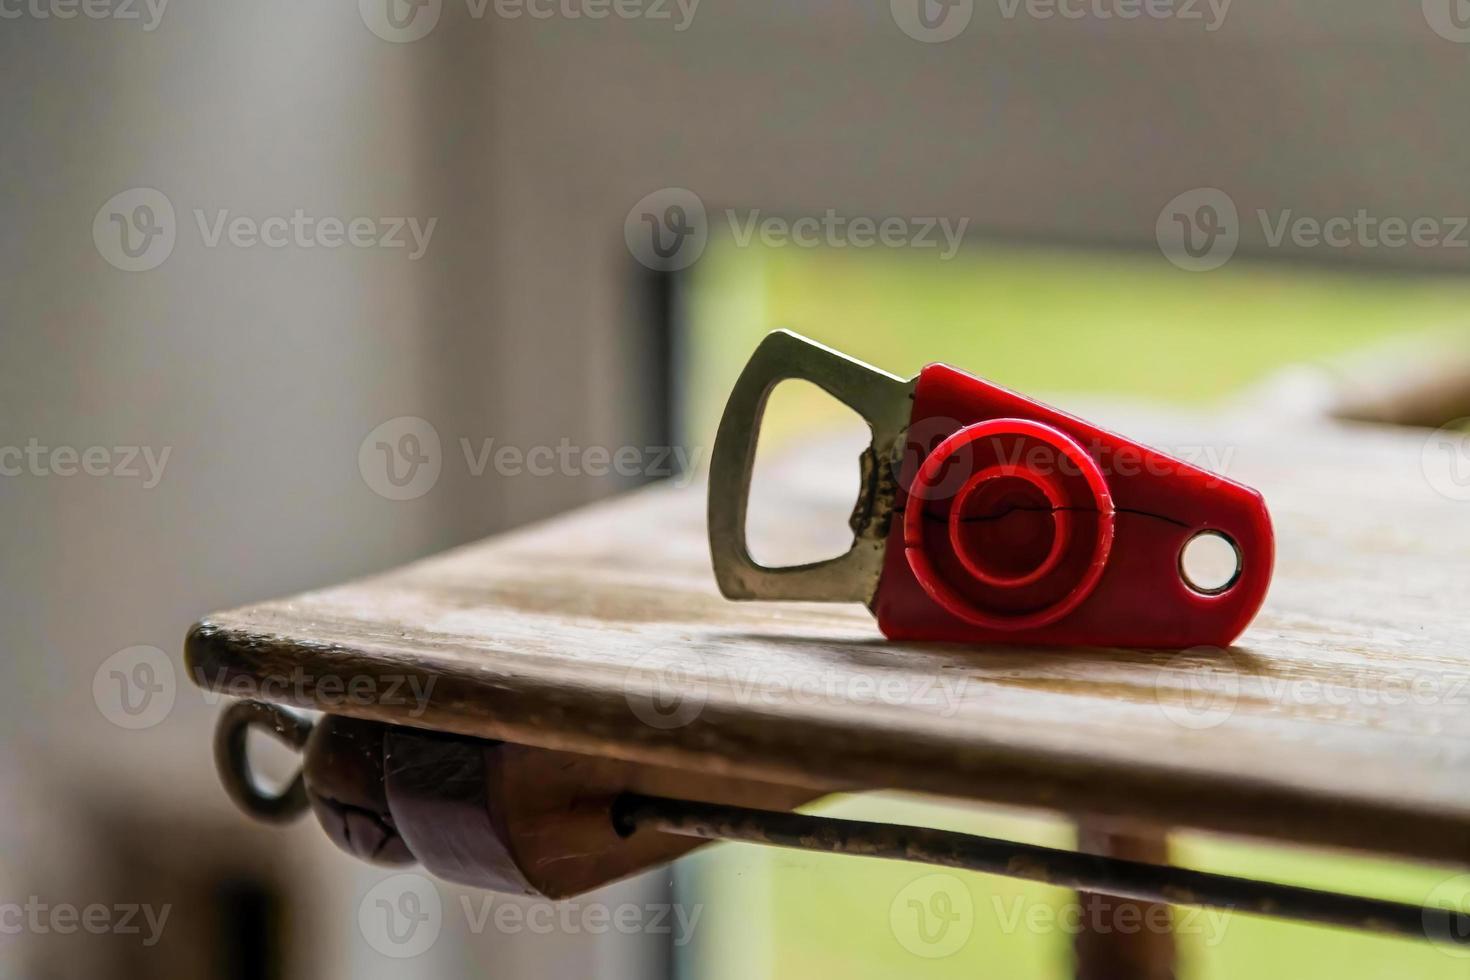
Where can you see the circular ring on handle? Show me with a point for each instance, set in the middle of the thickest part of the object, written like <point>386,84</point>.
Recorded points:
<point>923,491</point>
<point>1060,517</point>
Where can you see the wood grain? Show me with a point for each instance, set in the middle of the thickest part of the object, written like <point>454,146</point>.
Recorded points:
<point>1342,718</point>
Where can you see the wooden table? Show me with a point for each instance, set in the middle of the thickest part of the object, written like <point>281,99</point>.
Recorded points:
<point>1342,718</point>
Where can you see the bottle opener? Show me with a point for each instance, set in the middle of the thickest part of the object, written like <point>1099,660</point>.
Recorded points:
<point>985,516</point>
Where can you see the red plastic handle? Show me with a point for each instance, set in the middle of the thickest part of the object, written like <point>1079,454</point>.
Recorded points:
<point>1017,523</point>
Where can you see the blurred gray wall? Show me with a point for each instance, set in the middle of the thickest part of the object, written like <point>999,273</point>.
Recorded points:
<point>262,370</point>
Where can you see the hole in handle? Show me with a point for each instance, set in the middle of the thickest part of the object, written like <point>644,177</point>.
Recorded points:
<point>1210,563</point>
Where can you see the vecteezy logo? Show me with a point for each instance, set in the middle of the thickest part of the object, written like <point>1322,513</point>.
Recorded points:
<point>1449,929</point>
<point>932,21</point>
<point>667,230</point>
<point>400,21</point>
<point>923,436</point>
<point>666,687</point>
<point>1450,19</point>
<point>135,230</point>
<point>401,916</point>
<point>134,688</point>
<point>1199,230</point>
<point>932,916</point>
<point>401,459</point>
<point>1446,460</point>
<point>1199,688</point>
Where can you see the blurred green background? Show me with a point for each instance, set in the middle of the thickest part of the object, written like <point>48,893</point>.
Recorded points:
<point>1043,321</point>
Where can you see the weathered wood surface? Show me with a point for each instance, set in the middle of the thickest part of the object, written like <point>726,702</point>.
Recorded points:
<point>1341,718</point>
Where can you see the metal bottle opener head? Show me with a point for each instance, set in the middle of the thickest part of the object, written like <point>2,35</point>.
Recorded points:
<point>883,400</point>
